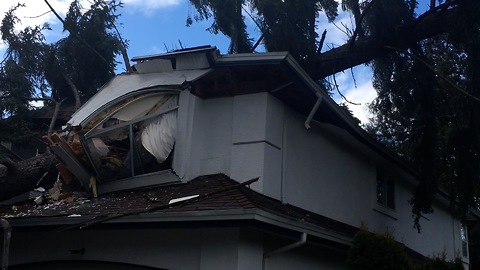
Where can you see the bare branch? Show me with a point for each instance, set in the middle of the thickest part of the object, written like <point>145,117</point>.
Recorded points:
<point>73,33</point>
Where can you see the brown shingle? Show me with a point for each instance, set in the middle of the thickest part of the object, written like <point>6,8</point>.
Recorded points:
<point>144,199</point>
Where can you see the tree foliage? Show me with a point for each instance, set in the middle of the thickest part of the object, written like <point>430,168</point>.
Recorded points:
<point>90,47</point>
<point>380,250</point>
<point>426,72</point>
<point>376,251</point>
<point>428,111</point>
<point>288,25</point>
<point>70,69</point>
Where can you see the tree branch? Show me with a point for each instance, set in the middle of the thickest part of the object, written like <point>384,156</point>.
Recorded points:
<point>429,25</point>
<point>432,69</point>
<point>73,33</point>
<point>74,89</point>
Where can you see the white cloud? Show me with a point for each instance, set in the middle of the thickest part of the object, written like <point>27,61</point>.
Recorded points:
<point>357,89</point>
<point>37,13</point>
<point>363,95</point>
<point>336,31</point>
<point>148,7</point>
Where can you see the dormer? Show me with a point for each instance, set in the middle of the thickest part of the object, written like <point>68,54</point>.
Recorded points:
<point>194,112</point>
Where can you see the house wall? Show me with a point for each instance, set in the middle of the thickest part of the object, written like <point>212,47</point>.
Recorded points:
<point>239,136</point>
<point>287,253</point>
<point>168,249</point>
<point>203,136</point>
<point>338,180</point>
<point>321,169</point>
<point>188,248</point>
<point>160,248</point>
<point>306,259</point>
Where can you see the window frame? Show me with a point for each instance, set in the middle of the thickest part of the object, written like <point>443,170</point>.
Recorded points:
<point>138,177</point>
<point>464,241</point>
<point>385,192</point>
<point>377,205</point>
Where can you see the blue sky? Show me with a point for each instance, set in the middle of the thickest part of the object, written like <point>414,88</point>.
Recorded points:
<point>152,26</point>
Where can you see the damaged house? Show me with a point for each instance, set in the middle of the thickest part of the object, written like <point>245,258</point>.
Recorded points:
<point>206,161</point>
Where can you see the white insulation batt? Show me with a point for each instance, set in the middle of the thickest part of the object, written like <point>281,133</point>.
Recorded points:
<point>158,136</point>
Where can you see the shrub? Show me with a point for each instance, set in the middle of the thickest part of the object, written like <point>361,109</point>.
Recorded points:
<point>440,263</point>
<point>381,251</point>
<point>376,251</point>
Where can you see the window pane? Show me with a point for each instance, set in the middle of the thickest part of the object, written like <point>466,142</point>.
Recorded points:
<point>385,191</point>
<point>390,185</point>
<point>464,237</point>
<point>380,191</point>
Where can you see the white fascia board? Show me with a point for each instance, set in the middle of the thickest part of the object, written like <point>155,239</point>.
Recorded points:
<point>251,58</point>
<point>193,216</point>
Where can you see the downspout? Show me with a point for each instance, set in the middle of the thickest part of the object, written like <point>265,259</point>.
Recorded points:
<point>314,109</point>
<point>7,231</point>
<point>286,248</point>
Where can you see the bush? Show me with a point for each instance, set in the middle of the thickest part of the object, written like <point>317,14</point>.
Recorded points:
<point>376,251</point>
<point>440,263</point>
<point>381,251</point>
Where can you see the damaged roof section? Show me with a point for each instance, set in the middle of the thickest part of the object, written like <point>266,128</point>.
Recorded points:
<point>130,84</point>
<point>227,194</point>
<point>127,130</point>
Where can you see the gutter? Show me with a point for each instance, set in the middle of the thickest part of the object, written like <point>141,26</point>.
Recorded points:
<point>314,109</point>
<point>286,248</point>
<point>7,232</point>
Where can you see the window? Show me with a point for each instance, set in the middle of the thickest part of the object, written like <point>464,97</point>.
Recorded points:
<point>385,191</point>
<point>464,237</point>
<point>135,139</point>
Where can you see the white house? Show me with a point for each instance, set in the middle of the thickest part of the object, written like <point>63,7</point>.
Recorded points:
<point>182,127</point>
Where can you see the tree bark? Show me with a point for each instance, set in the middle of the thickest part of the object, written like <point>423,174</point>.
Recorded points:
<point>26,175</point>
<point>363,50</point>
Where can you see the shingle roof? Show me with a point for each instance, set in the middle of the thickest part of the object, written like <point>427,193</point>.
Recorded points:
<point>142,200</point>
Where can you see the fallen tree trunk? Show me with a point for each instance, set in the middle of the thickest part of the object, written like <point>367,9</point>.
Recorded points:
<point>366,49</point>
<point>19,177</point>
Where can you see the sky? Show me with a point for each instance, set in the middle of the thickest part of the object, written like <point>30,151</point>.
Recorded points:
<point>155,26</point>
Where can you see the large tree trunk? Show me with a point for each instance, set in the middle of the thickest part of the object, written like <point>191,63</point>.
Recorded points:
<point>39,171</point>
<point>363,50</point>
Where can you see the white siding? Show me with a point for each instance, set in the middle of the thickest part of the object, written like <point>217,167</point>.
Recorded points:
<point>321,170</point>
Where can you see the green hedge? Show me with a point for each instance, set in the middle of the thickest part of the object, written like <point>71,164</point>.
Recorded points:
<point>439,263</point>
<point>381,251</point>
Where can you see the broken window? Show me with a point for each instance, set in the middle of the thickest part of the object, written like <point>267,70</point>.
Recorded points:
<point>133,138</point>
<point>464,237</point>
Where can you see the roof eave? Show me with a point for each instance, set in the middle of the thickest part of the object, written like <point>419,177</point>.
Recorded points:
<point>253,214</point>
<point>355,129</point>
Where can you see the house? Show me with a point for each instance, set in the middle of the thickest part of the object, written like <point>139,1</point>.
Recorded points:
<point>165,154</point>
